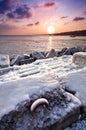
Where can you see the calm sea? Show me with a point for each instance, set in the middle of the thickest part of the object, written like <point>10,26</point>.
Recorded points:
<point>27,44</point>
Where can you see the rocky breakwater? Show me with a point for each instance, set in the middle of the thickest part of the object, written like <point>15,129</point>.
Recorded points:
<point>17,97</point>
<point>6,60</point>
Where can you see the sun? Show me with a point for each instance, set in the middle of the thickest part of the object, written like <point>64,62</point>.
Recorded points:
<point>51,29</point>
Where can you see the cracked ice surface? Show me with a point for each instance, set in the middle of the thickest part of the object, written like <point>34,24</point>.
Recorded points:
<point>23,81</point>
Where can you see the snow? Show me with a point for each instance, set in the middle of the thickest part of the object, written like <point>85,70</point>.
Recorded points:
<point>15,91</point>
<point>61,66</point>
<point>23,81</point>
<point>4,61</point>
<point>77,82</point>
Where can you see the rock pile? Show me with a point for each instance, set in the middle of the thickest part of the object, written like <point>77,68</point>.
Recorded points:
<point>27,59</point>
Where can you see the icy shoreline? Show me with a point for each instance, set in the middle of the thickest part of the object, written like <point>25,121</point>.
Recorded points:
<point>20,82</point>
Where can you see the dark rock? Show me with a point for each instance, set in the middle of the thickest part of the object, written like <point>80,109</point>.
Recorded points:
<point>25,56</point>
<point>43,53</point>
<point>51,54</point>
<point>84,49</point>
<point>70,51</point>
<point>27,61</point>
<point>37,55</point>
<point>60,53</point>
<point>20,60</point>
<point>15,60</point>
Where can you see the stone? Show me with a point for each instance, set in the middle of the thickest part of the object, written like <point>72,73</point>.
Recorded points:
<point>26,56</point>
<point>70,51</point>
<point>4,61</point>
<point>15,60</point>
<point>51,54</point>
<point>27,61</point>
<point>79,58</point>
<point>73,50</point>
<point>37,55</point>
<point>21,59</point>
<point>60,53</point>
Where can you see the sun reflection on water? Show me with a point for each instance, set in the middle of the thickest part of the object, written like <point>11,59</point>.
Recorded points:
<point>50,45</point>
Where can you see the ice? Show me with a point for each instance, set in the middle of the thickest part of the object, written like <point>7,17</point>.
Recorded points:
<point>15,91</point>
<point>58,65</point>
<point>4,61</point>
<point>23,81</point>
<point>77,82</point>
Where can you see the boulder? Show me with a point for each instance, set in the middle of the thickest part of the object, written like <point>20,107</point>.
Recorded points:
<point>71,51</point>
<point>26,56</point>
<point>15,60</point>
<point>79,58</point>
<point>60,53</point>
<point>51,54</point>
<point>4,61</point>
<point>15,112</point>
<point>20,59</point>
<point>37,55</point>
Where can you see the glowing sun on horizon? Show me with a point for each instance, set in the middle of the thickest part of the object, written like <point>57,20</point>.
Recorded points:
<point>51,29</point>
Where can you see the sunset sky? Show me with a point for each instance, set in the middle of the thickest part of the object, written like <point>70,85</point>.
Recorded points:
<point>35,16</point>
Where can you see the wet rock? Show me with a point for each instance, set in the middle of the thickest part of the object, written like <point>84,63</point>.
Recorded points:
<point>37,55</point>
<point>60,53</point>
<point>4,61</point>
<point>71,51</point>
<point>21,59</point>
<point>26,56</point>
<point>15,60</point>
<point>51,54</point>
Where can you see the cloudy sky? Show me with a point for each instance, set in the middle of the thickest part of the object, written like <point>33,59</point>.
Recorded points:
<point>35,16</point>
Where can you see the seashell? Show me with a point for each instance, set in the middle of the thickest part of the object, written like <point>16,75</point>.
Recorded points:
<point>38,102</point>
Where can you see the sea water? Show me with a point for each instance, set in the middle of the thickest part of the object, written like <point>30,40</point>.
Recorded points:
<point>26,44</point>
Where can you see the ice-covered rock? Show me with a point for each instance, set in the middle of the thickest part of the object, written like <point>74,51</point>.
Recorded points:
<point>4,61</point>
<point>17,96</point>
<point>51,54</point>
<point>79,58</point>
<point>77,82</point>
